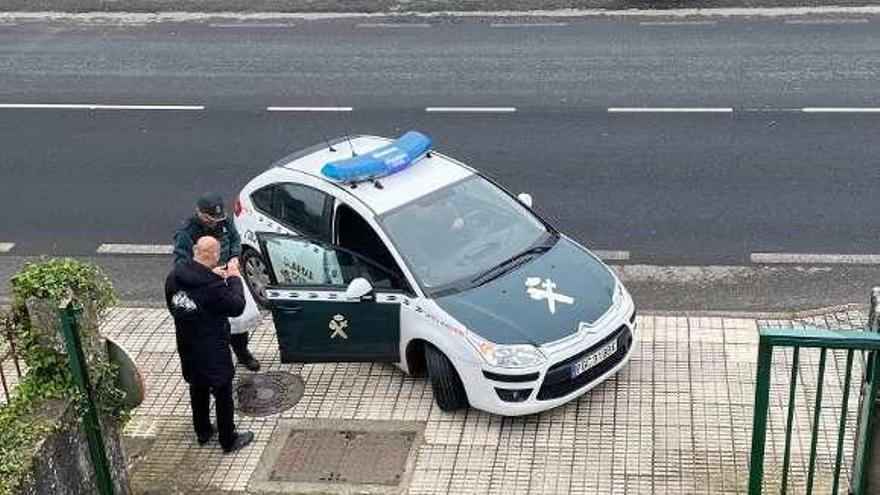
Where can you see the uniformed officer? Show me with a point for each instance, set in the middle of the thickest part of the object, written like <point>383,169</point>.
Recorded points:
<point>210,219</point>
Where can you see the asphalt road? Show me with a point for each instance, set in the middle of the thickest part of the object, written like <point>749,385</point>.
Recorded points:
<point>684,188</point>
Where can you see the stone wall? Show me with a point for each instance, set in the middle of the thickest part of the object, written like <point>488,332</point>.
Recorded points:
<point>61,462</point>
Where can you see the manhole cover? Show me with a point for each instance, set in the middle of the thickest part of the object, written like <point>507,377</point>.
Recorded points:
<point>343,456</point>
<point>263,394</point>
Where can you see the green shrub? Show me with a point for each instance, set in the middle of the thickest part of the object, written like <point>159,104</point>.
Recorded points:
<point>48,372</point>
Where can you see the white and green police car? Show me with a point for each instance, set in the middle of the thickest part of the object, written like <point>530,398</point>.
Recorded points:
<point>370,249</point>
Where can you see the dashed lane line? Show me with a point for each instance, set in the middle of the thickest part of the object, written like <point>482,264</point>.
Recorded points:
<point>670,110</point>
<point>265,25</point>
<point>5,247</point>
<point>825,21</point>
<point>527,24</point>
<point>678,23</point>
<point>470,109</point>
<point>606,255</point>
<point>841,110</point>
<point>815,259</point>
<point>96,106</point>
<point>392,25</point>
<point>135,249</point>
<point>309,109</point>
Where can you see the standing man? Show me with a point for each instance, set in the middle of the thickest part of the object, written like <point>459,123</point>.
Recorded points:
<point>201,297</point>
<point>210,219</point>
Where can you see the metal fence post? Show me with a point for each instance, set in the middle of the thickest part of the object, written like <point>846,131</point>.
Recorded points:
<point>70,318</point>
<point>759,423</point>
<point>866,458</point>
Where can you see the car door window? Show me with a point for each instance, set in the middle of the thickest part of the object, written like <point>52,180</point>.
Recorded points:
<point>295,261</point>
<point>303,209</point>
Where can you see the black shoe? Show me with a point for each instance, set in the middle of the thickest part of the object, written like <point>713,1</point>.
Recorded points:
<point>203,440</point>
<point>250,362</point>
<point>241,440</point>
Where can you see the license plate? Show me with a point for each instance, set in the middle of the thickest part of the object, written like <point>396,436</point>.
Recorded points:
<point>593,359</point>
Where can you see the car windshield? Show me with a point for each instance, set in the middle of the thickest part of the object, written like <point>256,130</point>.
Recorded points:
<point>460,232</point>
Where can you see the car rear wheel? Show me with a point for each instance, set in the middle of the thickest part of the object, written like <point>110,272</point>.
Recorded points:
<point>445,382</point>
<point>255,274</point>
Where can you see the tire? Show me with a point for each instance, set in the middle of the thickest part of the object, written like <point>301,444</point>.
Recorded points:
<point>445,382</point>
<point>255,273</point>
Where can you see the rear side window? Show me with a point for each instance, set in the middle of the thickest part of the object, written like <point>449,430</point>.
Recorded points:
<point>302,209</point>
<point>262,199</point>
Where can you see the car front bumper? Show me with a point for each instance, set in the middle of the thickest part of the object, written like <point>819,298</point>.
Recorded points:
<point>532,390</point>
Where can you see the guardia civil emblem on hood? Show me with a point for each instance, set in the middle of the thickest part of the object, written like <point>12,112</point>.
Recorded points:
<point>539,289</point>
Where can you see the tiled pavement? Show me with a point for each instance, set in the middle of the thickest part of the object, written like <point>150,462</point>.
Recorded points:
<point>677,419</point>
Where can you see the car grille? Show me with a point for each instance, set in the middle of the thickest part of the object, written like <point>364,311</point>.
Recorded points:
<point>558,381</point>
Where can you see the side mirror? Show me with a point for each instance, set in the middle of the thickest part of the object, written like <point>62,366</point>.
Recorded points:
<point>358,288</point>
<point>525,198</point>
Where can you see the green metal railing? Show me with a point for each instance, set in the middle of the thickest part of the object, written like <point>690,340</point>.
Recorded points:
<point>70,317</point>
<point>823,340</point>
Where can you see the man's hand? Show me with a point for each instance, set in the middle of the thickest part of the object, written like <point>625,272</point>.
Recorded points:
<point>221,271</point>
<point>232,269</point>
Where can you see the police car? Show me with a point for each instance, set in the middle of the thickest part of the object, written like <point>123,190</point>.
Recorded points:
<point>379,250</point>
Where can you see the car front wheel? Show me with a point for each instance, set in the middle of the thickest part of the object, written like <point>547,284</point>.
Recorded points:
<point>445,382</point>
<point>255,274</point>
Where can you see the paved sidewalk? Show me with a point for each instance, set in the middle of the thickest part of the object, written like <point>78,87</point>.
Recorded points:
<point>677,419</point>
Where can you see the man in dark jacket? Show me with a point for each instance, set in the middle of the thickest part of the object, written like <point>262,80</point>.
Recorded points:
<point>210,219</point>
<point>201,297</point>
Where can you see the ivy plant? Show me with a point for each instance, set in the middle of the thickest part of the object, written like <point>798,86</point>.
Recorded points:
<point>48,372</point>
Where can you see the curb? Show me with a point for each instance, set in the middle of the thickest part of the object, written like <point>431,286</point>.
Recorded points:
<point>158,15</point>
<point>764,315</point>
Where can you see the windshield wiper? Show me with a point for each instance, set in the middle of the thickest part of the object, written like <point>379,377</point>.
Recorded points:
<point>509,264</point>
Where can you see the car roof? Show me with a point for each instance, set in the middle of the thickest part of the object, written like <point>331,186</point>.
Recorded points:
<point>423,177</point>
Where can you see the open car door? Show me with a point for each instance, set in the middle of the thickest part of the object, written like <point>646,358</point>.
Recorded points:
<point>330,304</point>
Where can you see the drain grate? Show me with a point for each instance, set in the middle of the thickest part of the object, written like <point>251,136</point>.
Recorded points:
<point>343,456</point>
<point>264,394</point>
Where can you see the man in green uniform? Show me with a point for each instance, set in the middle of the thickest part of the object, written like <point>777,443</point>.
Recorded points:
<point>210,220</point>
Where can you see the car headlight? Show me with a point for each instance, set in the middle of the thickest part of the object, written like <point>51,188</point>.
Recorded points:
<point>507,356</point>
<point>618,293</point>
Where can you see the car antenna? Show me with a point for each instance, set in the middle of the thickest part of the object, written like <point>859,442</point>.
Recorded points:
<point>353,152</point>
<point>330,147</point>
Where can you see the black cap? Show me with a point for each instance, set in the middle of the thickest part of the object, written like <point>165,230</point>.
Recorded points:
<point>211,204</point>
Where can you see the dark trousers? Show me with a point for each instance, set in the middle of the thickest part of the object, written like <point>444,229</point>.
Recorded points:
<point>200,399</point>
<point>239,343</point>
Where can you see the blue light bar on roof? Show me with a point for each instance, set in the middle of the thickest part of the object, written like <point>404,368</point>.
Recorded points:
<point>386,160</point>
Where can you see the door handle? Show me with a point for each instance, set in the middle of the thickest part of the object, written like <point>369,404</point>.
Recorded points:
<point>290,311</point>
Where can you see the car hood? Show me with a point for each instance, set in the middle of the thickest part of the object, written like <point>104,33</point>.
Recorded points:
<point>516,309</point>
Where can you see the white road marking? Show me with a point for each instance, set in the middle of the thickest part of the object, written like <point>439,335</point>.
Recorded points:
<point>688,13</point>
<point>471,109</point>
<point>309,109</point>
<point>841,110</point>
<point>826,21</point>
<point>95,106</point>
<point>527,24</point>
<point>611,255</point>
<point>752,109</point>
<point>678,23</point>
<point>253,25</point>
<point>815,259</point>
<point>670,110</point>
<point>5,247</point>
<point>391,25</point>
<point>135,249</point>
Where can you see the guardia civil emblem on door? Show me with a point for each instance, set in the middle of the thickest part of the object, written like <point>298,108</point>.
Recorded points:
<point>338,324</point>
